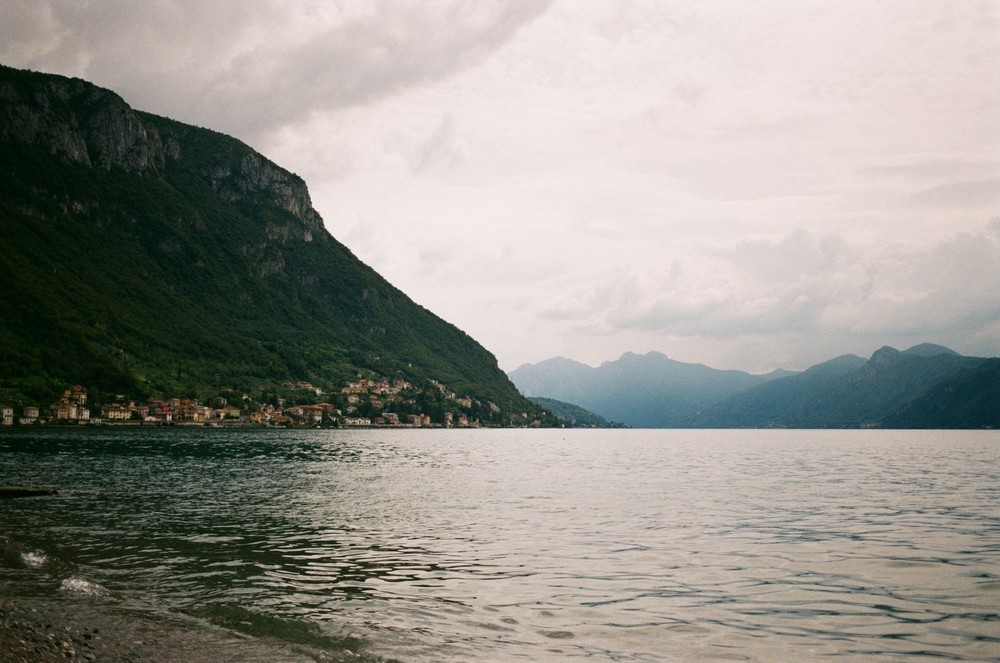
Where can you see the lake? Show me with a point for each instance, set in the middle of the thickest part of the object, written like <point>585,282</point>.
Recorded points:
<point>527,545</point>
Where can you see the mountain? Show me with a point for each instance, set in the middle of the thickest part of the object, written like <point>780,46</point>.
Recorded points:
<point>791,398</point>
<point>573,416</point>
<point>930,350</point>
<point>557,378</point>
<point>847,392</point>
<point>144,256</point>
<point>970,399</point>
<point>926,386</point>
<point>644,391</point>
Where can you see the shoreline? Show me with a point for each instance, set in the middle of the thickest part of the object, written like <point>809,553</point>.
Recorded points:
<point>86,630</point>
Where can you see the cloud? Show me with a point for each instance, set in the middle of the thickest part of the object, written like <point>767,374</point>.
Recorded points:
<point>439,148</point>
<point>977,193</point>
<point>804,283</point>
<point>28,30</point>
<point>252,67</point>
<point>399,45</point>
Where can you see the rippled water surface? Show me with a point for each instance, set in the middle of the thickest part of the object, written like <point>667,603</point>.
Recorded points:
<point>530,545</point>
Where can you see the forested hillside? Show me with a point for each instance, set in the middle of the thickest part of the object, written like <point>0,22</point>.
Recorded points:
<point>144,256</point>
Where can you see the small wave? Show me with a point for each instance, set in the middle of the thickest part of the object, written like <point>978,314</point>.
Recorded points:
<point>16,555</point>
<point>285,629</point>
<point>82,586</point>
<point>33,559</point>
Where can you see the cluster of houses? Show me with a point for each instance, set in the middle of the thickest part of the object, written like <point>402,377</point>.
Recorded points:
<point>169,411</point>
<point>361,403</point>
<point>325,413</point>
<point>383,395</point>
<point>71,407</point>
<point>28,417</point>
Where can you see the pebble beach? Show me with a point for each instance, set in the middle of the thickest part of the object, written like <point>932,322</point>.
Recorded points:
<point>53,630</point>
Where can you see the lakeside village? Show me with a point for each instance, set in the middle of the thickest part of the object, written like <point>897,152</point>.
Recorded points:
<point>364,403</point>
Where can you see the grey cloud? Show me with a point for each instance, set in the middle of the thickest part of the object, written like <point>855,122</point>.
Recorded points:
<point>961,194</point>
<point>763,313</point>
<point>439,148</point>
<point>27,30</point>
<point>158,54</point>
<point>953,286</point>
<point>364,59</point>
<point>933,170</point>
<point>811,285</point>
<point>205,62</point>
<point>794,257</point>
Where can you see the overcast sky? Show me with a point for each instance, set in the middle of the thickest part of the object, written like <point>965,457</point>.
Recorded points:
<point>748,184</point>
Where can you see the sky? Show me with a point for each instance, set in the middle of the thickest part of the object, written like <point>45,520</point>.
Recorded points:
<point>749,185</point>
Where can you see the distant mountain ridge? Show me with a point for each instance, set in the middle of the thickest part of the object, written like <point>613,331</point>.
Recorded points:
<point>144,256</point>
<point>925,386</point>
<point>643,391</point>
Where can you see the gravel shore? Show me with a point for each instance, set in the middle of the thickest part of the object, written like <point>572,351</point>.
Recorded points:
<point>45,630</point>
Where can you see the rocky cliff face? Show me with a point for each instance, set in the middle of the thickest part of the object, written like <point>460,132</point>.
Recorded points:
<point>80,122</point>
<point>94,127</point>
<point>254,174</point>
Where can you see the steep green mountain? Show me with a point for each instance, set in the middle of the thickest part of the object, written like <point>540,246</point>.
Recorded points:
<point>144,256</point>
<point>644,391</point>
<point>573,416</point>
<point>847,392</point>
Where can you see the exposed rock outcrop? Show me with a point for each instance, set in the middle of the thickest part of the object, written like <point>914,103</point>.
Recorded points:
<point>42,119</point>
<point>255,174</point>
<point>88,125</point>
<point>80,122</point>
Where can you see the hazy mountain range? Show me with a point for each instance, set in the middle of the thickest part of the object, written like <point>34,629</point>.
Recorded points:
<point>143,256</point>
<point>926,386</point>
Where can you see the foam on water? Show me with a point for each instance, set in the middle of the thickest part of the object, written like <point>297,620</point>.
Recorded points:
<point>34,559</point>
<point>81,586</point>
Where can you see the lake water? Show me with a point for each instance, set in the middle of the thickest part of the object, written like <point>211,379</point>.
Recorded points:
<point>513,545</point>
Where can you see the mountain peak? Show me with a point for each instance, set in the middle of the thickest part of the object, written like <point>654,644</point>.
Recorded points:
<point>929,350</point>
<point>885,355</point>
<point>634,357</point>
<point>553,362</point>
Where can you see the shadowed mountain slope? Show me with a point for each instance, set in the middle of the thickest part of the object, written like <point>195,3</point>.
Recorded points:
<point>970,399</point>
